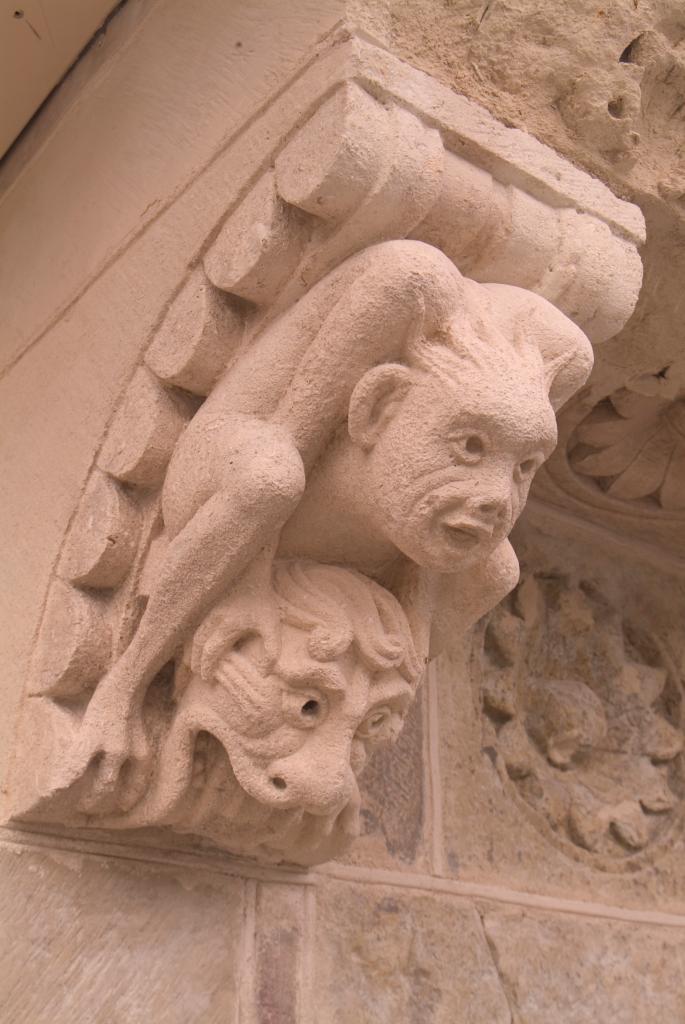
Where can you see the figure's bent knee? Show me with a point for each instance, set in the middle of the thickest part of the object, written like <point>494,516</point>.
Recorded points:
<point>273,480</point>
<point>252,460</point>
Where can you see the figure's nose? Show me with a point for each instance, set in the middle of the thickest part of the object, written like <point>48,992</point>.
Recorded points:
<point>322,785</point>
<point>494,505</point>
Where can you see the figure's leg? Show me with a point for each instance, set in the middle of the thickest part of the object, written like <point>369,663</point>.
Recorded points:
<point>260,478</point>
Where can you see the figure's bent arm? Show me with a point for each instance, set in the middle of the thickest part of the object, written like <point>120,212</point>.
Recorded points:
<point>393,290</point>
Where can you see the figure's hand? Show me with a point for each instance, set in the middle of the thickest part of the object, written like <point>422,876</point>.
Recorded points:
<point>250,610</point>
<point>229,625</point>
<point>112,743</point>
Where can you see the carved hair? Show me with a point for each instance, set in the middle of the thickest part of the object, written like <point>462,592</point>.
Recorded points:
<point>342,609</point>
<point>339,608</point>
<point>511,331</point>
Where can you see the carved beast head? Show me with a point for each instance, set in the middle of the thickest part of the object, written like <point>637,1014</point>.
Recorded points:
<point>297,737</point>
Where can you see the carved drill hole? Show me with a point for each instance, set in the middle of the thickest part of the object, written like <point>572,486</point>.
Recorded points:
<point>278,783</point>
<point>474,445</point>
<point>615,107</point>
<point>310,708</point>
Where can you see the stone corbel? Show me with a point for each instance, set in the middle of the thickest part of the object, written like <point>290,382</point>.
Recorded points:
<point>311,476</point>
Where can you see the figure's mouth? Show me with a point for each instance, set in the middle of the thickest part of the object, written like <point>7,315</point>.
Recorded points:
<point>461,537</point>
<point>465,533</point>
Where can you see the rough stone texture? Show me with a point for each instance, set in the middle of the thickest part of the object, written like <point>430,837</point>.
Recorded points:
<point>103,940</point>
<point>384,954</point>
<point>280,935</point>
<point>602,83</point>
<point>395,801</point>
<point>489,833</point>
<point>581,970</point>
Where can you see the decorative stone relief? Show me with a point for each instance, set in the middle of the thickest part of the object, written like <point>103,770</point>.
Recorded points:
<point>585,712</point>
<point>633,443</point>
<point>621,458</point>
<point>310,481</point>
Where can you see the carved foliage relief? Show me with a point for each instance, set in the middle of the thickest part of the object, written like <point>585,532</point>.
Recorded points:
<point>621,458</point>
<point>585,711</point>
<point>633,442</point>
<point>319,461</point>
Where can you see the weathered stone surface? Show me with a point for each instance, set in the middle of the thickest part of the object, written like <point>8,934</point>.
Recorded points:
<point>584,970</point>
<point>107,941</point>
<point>146,427</point>
<point>598,83</point>
<point>197,337</point>
<point>75,647</point>
<point>158,944</point>
<point>102,540</point>
<point>394,808</point>
<point>279,939</point>
<point>387,955</point>
<point>538,839</point>
<point>258,247</point>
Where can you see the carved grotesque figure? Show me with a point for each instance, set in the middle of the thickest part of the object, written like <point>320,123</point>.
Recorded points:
<point>391,422</point>
<point>268,758</point>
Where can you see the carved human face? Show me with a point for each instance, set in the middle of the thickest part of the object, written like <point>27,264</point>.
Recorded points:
<point>312,725</point>
<point>451,468</point>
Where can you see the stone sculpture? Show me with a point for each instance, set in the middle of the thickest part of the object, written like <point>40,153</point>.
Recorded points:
<point>392,422</point>
<point>324,388</point>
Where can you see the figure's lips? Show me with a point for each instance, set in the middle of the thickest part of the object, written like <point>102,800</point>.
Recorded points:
<point>465,533</point>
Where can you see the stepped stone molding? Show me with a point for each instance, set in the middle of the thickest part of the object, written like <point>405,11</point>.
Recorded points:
<point>583,708</point>
<point>310,479</point>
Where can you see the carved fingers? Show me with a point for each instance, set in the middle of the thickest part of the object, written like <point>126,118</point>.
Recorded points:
<point>250,610</point>
<point>113,748</point>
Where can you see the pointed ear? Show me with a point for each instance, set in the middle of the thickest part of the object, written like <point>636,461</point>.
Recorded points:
<point>374,400</point>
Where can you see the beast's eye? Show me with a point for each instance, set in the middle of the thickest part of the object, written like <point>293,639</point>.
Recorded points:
<point>380,724</point>
<point>467,448</point>
<point>305,708</point>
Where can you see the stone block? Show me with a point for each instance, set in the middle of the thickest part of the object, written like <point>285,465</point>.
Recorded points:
<point>582,970</point>
<point>115,941</point>
<point>279,937</point>
<point>384,954</point>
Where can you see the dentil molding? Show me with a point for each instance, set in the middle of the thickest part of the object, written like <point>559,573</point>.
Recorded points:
<point>308,484</point>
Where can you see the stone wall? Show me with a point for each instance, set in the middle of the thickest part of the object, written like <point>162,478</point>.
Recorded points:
<point>486,885</point>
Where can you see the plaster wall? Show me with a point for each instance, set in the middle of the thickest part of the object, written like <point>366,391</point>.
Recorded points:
<point>455,905</point>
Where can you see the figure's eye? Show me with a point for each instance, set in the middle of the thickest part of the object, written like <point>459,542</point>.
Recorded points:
<point>304,708</point>
<point>380,724</point>
<point>467,448</point>
<point>526,469</point>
